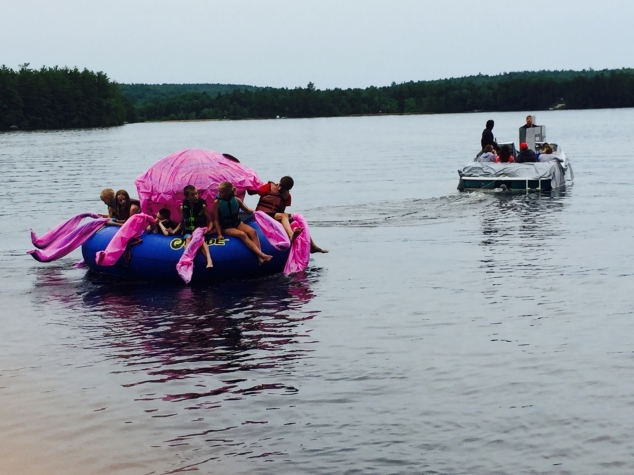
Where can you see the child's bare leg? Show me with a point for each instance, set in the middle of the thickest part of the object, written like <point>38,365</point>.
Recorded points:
<point>253,235</point>
<point>292,233</point>
<point>315,248</point>
<point>283,218</point>
<point>187,239</point>
<point>207,254</point>
<point>235,232</point>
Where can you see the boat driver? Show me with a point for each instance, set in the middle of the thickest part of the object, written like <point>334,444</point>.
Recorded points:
<point>529,123</point>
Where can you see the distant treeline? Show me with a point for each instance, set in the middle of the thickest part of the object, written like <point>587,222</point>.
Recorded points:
<point>69,98</point>
<point>505,92</point>
<point>59,98</point>
<point>138,93</point>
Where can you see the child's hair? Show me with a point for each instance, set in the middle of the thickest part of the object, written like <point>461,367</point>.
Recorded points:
<point>124,193</point>
<point>122,210</point>
<point>107,194</point>
<point>488,148</point>
<point>225,186</point>
<point>505,153</point>
<point>165,213</point>
<point>187,189</point>
<point>286,182</point>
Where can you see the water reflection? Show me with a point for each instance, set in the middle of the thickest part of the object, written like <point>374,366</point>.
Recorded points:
<point>162,334</point>
<point>527,220</point>
<point>522,239</point>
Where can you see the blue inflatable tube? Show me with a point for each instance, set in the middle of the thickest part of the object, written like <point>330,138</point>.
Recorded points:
<point>155,257</point>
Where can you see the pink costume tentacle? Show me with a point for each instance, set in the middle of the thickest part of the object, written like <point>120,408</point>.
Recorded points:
<point>59,231</point>
<point>132,228</point>
<point>273,230</point>
<point>69,242</point>
<point>300,250</point>
<point>185,265</point>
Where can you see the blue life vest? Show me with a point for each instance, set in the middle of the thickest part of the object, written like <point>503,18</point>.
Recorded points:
<point>229,212</point>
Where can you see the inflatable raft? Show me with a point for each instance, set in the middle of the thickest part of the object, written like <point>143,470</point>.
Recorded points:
<point>130,251</point>
<point>154,256</point>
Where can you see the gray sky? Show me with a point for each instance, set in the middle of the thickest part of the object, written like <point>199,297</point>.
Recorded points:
<point>287,43</point>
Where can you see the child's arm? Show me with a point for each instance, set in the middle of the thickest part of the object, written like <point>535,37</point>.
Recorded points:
<point>210,222</point>
<point>216,222</point>
<point>176,229</point>
<point>162,228</point>
<point>244,207</point>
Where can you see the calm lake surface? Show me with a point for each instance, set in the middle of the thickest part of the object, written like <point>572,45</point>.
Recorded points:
<point>444,333</point>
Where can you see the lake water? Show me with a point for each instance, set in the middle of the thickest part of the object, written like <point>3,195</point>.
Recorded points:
<point>444,333</point>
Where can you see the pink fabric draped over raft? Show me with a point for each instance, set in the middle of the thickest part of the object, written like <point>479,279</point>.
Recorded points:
<point>59,231</point>
<point>162,185</point>
<point>131,229</point>
<point>64,238</point>
<point>274,231</point>
<point>185,265</point>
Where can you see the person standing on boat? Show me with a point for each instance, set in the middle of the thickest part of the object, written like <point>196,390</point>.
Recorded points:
<point>526,155</point>
<point>487,135</point>
<point>529,123</point>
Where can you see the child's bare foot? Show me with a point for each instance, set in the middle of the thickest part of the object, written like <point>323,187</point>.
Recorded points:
<point>314,248</point>
<point>264,259</point>
<point>296,232</point>
<point>209,264</point>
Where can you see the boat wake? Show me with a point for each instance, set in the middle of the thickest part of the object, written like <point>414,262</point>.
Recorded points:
<point>410,212</point>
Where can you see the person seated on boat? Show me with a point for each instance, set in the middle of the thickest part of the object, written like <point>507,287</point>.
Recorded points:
<point>195,214</point>
<point>164,225</point>
<point>547,153</point>
<point>488,155</point>
<point>227,220</point>
<point>505,155</point>
<point>487,134</point>
<point>124,208</point>
<point>526,155</point>
<point>107,196</point>
<point>274,198</point>
<point>529,123</point>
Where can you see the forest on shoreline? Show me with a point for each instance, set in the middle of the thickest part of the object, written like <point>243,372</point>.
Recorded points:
<point>52,98</point>
<point>59,98</point>
<point>505,92</point>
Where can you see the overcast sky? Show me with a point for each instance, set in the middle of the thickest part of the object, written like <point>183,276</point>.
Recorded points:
<point>287,43</point>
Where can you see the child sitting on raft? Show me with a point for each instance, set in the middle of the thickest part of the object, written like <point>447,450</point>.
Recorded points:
<point>164,225</point>
<point>227,219</point>
<point>196,215</point>
<point>274,198</point>
<point>124,207</point>
<point>107,196</point>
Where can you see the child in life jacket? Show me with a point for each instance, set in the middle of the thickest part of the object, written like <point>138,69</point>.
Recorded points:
<point>164,225</point>
<point>195,214</point>
<point>274,198</point>
<point>227,220</point>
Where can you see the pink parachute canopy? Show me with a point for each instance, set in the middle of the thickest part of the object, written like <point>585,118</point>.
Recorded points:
<point>162,185</point>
